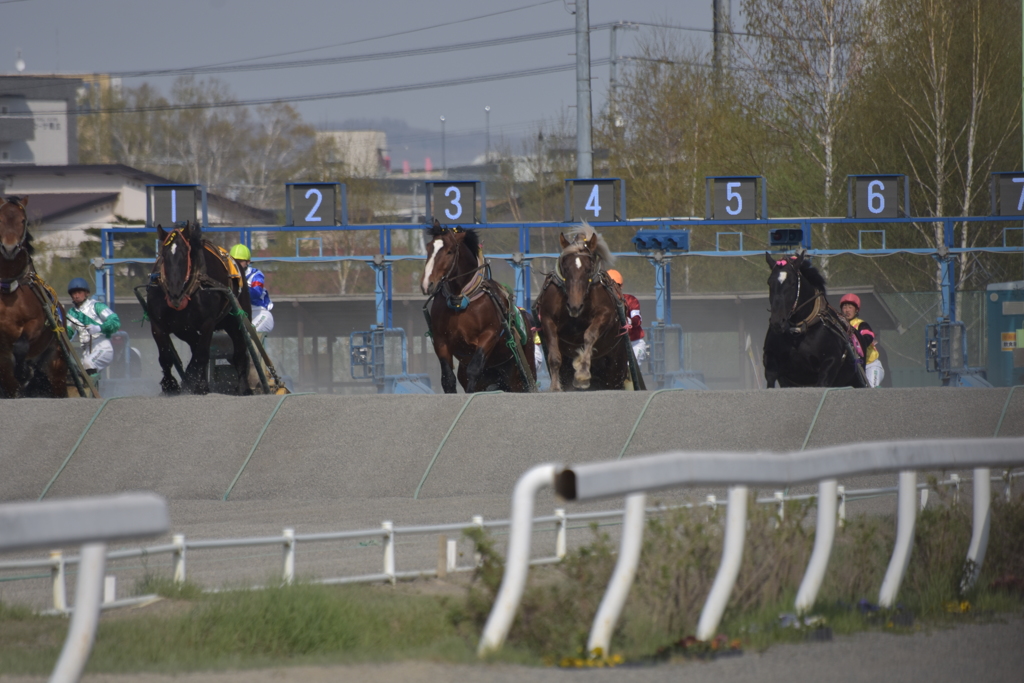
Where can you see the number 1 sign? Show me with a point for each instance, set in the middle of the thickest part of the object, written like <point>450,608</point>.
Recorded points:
<point>168,205</point>
<point>1008,194</point>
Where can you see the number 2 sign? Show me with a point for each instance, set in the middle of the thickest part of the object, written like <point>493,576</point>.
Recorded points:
<point>312,204</point>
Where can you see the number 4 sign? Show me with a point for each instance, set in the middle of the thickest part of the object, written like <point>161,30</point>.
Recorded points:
<point>595,200</point>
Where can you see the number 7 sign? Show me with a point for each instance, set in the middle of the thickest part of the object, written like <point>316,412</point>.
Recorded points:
<point>1011,193</point>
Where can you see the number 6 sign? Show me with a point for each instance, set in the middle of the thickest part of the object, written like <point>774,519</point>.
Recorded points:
<point>877,196</point>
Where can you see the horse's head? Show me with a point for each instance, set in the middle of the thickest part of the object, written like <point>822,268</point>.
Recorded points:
<point>445,248</point>
<point>179,250</point>
<point>783,289</point>
<point>13,227</point>
<point>578,265</point>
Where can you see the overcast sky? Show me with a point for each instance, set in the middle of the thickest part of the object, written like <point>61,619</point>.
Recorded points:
<point>90,36</point>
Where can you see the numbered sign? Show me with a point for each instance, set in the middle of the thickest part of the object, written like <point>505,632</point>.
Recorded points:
<point>312,204</point>
<point>735,198</point>
<point>595,200</point>
<point>453,202</point>
<point>171,204</point>
<point>1011,193</point>
<point>877,197</point>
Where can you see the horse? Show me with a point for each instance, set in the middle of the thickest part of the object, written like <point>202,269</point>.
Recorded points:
<point>808,342</point>
<point>31,361</point>
<point>473,318</point>
<point>578,309</point>
<point>187,296</point>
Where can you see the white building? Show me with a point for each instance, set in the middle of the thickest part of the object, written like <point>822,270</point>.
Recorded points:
<point>65,201</point>
<point>364,153</point>
<point>38,120</point>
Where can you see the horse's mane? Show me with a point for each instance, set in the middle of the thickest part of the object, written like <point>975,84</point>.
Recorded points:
<point>472,239</point>
<point>812,275</point>
<point>585,231</point>
<point>27,244</point>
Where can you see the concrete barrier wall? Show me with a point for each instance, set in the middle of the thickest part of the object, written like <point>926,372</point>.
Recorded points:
<point>323,447</point>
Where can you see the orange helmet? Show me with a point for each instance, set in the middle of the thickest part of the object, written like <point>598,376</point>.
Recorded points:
<point>616,276</point>
<point>850,299</point>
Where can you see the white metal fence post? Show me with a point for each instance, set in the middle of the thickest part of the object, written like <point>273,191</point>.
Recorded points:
<point>979,526</point>
<point>82,631</point>
<point>478,522</point>
<point>1009,485</point>
<point>824,535</point>
<point>452,554</point>
<point>517,559</point>
<point>905,520</point>
<point>288,576</point>
<point>60,593</point>
<point>560,535</point>
<point>780,496</point>
<point>622,578</point>
<point>732,555</point>
<point>955,478</point>
<point>389,550</point>
<point>178,540</point>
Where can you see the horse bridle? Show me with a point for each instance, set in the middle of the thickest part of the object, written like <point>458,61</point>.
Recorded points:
<point>444,284</point>
<point>595,268</point>
<point>191,284</point>
<point>24,233</point>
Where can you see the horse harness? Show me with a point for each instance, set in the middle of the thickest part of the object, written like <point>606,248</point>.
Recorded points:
<point>195,278</point>
<point>9,285</point>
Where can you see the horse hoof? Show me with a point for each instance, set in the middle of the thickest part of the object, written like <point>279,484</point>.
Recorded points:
<point>581,382</point>
<point>170,387</point>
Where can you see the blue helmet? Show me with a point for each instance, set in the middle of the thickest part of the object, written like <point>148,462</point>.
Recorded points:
<point>78,283</point>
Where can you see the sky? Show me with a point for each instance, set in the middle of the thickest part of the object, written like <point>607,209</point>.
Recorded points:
<point>104,36</point>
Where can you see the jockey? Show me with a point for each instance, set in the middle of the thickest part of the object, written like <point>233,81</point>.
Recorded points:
<point>262,318</point>
<point>636,332</point>
<point>850,306</point>
<point>90,324</point>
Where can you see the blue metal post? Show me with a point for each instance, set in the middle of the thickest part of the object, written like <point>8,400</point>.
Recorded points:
<point>947,266</point>
<point>662,289</point>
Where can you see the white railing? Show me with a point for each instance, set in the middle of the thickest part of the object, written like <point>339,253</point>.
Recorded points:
<point>57,562</point>
<point>92,522</point>
<point>636,476</point>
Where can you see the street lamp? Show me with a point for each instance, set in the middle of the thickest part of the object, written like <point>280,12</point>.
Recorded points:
<point>487,151</point>
<point>444,161</point>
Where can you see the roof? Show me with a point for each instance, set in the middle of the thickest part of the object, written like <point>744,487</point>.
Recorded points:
<point>47,207</point>
<point>84,169</point>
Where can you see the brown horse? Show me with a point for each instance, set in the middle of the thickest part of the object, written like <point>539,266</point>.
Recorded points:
<point>471,317</point>
<point>31,363</point>
<point>578,310</point>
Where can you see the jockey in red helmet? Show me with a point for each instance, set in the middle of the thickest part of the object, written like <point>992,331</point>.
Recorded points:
<point>636,331</point>
<point>850,306</point>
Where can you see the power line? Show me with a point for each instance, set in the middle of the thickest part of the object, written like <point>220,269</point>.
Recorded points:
<point>381,37</point>
<point>324,61</point>
<point>468,80</point>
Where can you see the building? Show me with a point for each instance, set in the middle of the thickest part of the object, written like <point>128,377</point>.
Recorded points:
<point>38,120</point>
<point>65,201</point>
<point>363,153</point>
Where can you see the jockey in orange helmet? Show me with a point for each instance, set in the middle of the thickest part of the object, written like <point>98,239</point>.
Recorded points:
<point>850,306</point>
<point>636,331</point>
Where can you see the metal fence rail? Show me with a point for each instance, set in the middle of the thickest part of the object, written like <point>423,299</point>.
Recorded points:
<point>636,476</point>
<point>57,562</point>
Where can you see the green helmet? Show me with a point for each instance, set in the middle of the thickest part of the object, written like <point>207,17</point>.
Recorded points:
<point>240,252</point>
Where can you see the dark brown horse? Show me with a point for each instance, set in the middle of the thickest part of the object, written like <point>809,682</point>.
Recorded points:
<point>187,296</point>
<point>579,317</point>
<point>473,318</point>
<point>31,362</point>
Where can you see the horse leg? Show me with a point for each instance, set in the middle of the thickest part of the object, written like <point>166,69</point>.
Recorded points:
<point>239,357</point>
<point>582,362</point>
<point>444,356</point>
<point>165,349</point>
<point>554,353</point>
<point>58,373</point>
<point>199,366</point>
<point>475,369</point>
<point>8,382</point>
<point>22,368</point>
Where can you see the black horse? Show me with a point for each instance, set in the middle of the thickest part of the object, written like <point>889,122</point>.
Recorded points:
<point>808,343</point>
<point>187,296</point>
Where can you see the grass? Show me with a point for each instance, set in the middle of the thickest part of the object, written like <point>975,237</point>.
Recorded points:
<point>315,624</point>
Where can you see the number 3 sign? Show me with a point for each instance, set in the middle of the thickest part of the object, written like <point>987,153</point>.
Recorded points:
<point>452,201</point>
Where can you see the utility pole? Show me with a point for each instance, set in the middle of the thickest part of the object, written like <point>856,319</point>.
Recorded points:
<point>444,160</point>
<point>721,11</point>
<point>487,126</point>
<point>613,72</point>
<point>584,151</point>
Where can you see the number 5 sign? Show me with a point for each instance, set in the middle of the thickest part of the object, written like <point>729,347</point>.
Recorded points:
<point>877,196</point>
<point>734,198</point>
<point>1008,194</point>
<point>595,200</point>
<point>315,204</point>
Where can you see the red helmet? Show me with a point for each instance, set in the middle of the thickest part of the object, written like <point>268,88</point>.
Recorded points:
<point>850,299</point>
